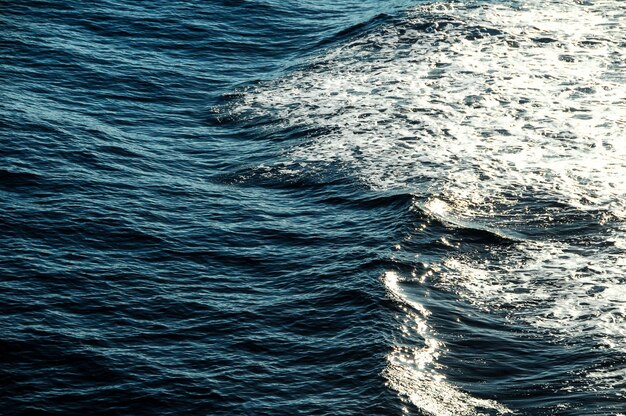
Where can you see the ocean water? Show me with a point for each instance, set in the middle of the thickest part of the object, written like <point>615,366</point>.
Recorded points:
<point>313,207</point>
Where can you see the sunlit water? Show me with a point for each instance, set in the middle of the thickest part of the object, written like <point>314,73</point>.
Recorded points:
<point>503,118</point>
<point>314,208</point>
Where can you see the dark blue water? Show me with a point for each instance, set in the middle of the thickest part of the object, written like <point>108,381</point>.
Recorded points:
<point>317,208</point>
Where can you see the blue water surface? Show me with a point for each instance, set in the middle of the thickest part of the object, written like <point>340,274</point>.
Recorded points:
<point>158,256</point>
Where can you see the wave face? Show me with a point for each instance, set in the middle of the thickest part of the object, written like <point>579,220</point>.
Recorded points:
<point>261,207</point>
<point>505,122</point>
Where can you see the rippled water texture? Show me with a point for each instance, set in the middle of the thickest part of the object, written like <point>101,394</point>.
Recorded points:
<point>264,208</point>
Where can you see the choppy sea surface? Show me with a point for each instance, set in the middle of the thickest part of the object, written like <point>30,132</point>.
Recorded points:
<point>313,207</point>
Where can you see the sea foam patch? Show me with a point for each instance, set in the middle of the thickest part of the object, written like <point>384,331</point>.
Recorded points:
<point>510,116</point>
<point>488,102</point>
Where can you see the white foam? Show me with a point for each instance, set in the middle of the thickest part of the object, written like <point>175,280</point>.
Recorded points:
<point>412,368</point>
<point>485,112</point>
<point>495,122</point>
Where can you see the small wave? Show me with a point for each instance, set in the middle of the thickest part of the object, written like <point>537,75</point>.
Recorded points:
<point>11,179</point>
<point>413,369</point>
<point>358,29</point>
